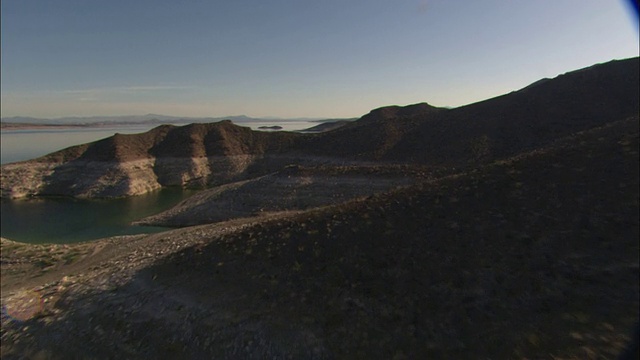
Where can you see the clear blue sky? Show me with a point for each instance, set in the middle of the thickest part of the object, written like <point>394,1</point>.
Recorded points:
<point>292,58</point>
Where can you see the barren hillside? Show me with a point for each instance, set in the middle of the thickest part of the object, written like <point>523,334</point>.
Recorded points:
<point>200,155</point>
<point>535,256</point>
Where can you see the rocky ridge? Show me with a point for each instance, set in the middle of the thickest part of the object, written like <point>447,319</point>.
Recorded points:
<point>514,235</point>
<point>124,165</point>
<point>534,256</point>
<point>202,155</point>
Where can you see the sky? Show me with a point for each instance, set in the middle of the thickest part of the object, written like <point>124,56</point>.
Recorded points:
<point>292,58</point>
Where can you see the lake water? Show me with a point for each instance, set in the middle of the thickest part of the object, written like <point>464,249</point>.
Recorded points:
<point>65,220</point>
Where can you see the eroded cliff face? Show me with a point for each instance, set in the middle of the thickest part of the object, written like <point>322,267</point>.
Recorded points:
<point>105,179</point>
<point>78,179</point>
<point>123,165</point>
<point>109,179</point>
<point>202,171</point>
<point>24,179</point>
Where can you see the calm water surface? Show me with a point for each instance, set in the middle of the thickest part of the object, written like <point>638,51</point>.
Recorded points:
<point>19,145</point>
<point>64,220</point>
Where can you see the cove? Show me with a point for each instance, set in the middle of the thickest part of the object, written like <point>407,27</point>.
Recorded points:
<point>68,220</point>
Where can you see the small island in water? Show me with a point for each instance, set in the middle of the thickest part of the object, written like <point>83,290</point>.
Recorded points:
<point>272,127</point>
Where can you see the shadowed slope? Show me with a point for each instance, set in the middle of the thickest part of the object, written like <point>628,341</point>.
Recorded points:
<point>219,139</point>
<point>529,257</point>
<point>495,128</point>
<point>529,118</point>
<point>373,135</point>
<point>293,188</point>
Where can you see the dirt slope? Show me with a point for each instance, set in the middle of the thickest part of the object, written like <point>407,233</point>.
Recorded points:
<point>293,188</point>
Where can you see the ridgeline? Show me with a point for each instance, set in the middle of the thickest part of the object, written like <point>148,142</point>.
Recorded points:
<point>502,229</point>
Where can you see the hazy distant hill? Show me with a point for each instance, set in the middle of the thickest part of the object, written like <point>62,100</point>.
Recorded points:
<point>20,122</point>
<point>149,118</point>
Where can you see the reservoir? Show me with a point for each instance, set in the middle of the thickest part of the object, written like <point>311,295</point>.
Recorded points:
<point>66,220</point>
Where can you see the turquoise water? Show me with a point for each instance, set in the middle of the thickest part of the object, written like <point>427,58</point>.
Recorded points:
<point>66,220</point>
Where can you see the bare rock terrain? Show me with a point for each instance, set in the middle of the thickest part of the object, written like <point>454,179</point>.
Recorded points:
<point>503,229</point>
<point>293,188</point>
<point>497,261</point>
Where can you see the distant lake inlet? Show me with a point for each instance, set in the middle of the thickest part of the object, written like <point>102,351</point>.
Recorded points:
<point>66,220</point>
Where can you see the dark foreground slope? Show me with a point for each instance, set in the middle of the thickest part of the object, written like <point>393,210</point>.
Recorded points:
<point>531,257</point>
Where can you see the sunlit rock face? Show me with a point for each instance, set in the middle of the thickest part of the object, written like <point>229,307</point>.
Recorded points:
<point>201,171</point>
<point>94,179</point>
<point>78,179</point>
<point>107,179</point>
<point>22,180</point>
<point>195,155</point>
